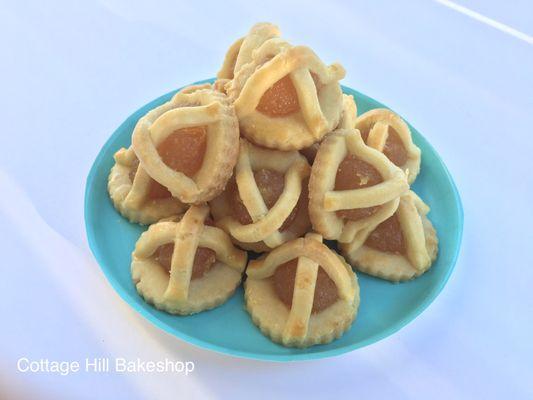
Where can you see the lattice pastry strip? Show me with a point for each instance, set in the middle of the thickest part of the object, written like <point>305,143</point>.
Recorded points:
<point>132,197</point>
<point>266,223</point>
<point>325,201</point>
<point>240,52</point>
<point>201,108</point>
<point>349,112</point>
<point>298,326</point>
<point>416,254</point>
<point>385,131</point>
<point>176,292</point>
<point>317,90</point>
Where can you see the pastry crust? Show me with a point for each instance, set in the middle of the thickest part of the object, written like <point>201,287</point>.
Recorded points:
<point>347,121</point>
<point>320,102</point>
<point>349,112</point>
<point>176,293</point>
<point>324,201</point>
<point>263,233</point>
<point>376,123</point>
<point>130,197</point>
<point>199,105</point>
<point>297,326</point>
<point>421,245</point>
<point>240,52</point>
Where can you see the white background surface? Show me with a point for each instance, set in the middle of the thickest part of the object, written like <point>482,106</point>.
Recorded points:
<point>72,72</point>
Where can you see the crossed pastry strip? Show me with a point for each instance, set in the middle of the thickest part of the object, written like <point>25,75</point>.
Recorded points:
<point>318,93</point>
<point>324,200</point>
<point>311,254</point>
<point>192,107</point>
<point>421,244</point>
<point>375,125</point>
<point>188,235</point>
<point>266,223</point>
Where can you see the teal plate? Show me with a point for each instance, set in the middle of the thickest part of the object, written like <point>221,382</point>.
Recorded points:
<point>385,307</point>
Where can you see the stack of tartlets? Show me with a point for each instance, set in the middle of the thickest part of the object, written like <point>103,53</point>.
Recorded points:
<point>273,159</point>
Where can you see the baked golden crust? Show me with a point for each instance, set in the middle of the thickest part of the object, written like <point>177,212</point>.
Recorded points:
<point>377,124</point>
<point>264,231</point>
<point>130,198</point>
<point>349,112</point>
<point>240,52</point>
<point>199,105</point>
<point>324,200</point>
<point>317,87</point>
<point>347,121</point>
<point>292,114</point>
<point>297,326</point>
<point>176,293</point>
<point>421,245</point>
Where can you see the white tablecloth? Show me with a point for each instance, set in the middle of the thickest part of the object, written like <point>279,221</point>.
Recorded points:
<point>71,72</point>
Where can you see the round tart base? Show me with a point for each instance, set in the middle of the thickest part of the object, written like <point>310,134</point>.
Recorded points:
<point>392,267</point>
<point>119,185</point>
<point>319,104</point>
<point>269,313</point>
<point>210,291</point>
<point>194,106</point>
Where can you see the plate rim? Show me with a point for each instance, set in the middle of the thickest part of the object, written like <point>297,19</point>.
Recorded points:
<point>126,297</point>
